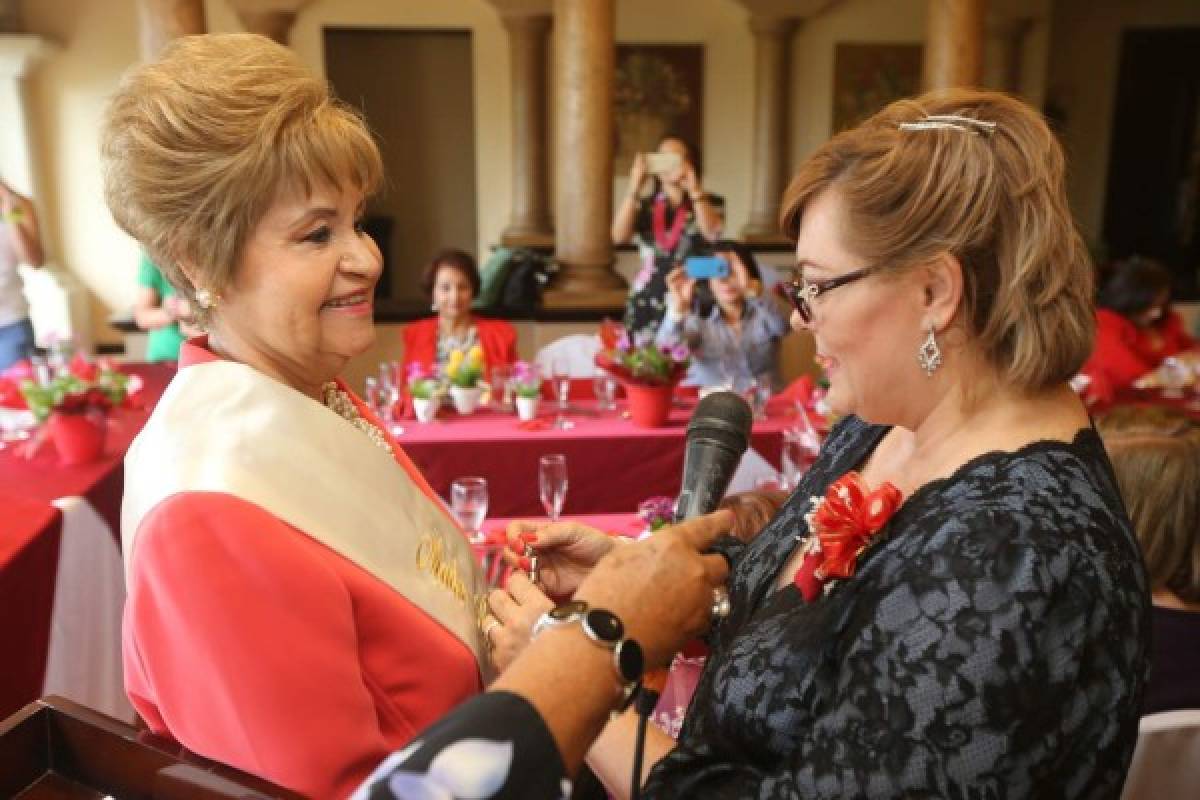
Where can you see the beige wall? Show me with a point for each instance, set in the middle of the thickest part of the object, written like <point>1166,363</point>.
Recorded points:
<point>1084,59</point>
<point>98,40</point>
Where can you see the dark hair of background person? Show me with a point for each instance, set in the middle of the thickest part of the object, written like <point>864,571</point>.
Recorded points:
<point>454,259</point>
<point>743,252</point>
<point>1133,285</point>
<point>1155,453</point>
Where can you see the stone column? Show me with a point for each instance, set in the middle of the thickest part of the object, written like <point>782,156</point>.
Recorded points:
<point>529,224</point>
<point>954,43</point>
<point>271,18</point>
<point>161,21</point>
<point>772,40</point>
<point>585,56</point>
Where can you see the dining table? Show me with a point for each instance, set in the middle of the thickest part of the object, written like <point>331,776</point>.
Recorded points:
<point>62,585</point>
<point>612,464</point>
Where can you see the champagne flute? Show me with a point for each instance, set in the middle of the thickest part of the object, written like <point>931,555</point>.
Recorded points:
<point>552,483</point>
<point>561,375</point>
<point>469,502</point>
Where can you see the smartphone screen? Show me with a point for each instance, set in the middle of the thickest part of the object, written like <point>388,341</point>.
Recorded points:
<point>702,267</point>
<point>662,163</point>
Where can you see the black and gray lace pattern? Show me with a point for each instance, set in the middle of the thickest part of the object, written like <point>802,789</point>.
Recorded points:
<point>992,644</point>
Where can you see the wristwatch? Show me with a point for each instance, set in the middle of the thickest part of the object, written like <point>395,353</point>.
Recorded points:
<point>606,630</point>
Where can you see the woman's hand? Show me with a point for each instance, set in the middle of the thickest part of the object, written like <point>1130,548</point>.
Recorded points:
<point>566,552</point>
<point>514,610</point>
<point>662,587</point>
<point>690,181</point>
<point>681,289</point>
<point>637,174</point>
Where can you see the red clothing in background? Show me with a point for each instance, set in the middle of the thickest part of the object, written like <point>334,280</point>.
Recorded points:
<point>1124,352</point>
<point>497,338</point>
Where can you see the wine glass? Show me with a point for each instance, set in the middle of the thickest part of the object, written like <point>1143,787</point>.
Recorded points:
<point>372,396</point>
<point>1175,376</point>
<point>552,483</point>
<point>560,373</point>
<point>469,502</point>
<point>760,395</point>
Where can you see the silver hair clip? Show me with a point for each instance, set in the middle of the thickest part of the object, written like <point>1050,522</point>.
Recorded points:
<point>978,127</point>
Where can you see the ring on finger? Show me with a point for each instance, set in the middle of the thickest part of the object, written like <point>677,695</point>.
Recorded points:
<point>720,603</point>
<point>490,624</point>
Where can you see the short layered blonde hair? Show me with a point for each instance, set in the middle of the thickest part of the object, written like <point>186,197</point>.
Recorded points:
<point>198,144</point>
<point>995,200</point>
<point>1155,453</point>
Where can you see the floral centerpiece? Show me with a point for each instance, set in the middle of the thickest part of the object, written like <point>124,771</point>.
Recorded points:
<point>424,388</point>
<point>527,386</point>
<point>648,372</point>
<point>465,372</point>
<point>656,512</point>
<point>74,405</point>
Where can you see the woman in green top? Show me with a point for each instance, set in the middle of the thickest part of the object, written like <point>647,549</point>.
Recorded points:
<point>160,311</point>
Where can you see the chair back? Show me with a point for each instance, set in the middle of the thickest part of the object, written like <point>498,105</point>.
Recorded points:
<point>576,352</point>
<point>56,748</point>
<point>1166,762</point>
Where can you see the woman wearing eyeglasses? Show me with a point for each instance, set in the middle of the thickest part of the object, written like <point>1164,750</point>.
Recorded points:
<point>952,602</point>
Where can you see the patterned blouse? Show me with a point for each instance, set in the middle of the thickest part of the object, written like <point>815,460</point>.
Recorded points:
<point>993,644</point>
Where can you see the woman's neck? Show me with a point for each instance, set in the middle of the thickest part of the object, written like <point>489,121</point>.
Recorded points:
<point>454,326</point>
<point>1165,598</point>
<point>674,193</point>
<point>732,313</point>
<point>231,349</point>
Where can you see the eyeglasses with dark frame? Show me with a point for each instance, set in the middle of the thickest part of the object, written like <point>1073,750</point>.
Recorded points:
<point>801,293</point>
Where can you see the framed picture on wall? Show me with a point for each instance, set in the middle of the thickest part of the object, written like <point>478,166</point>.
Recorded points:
<point>866,77</point>
<point>659,91</point>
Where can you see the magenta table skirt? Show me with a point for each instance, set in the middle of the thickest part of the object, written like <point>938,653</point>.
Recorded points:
<point>612,465</point>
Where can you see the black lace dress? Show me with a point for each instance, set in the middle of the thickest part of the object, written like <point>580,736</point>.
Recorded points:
<point>993,644</point>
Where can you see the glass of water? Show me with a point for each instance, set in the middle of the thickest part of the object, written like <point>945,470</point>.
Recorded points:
<point>469,502</point>
<point>552,483</point>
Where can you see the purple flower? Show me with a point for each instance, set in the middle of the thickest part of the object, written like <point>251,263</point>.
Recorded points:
<point>656,511</point>
<point>416,371</point>
<point>680,352</point>
<point>623,343</point>
<point>524,372</point>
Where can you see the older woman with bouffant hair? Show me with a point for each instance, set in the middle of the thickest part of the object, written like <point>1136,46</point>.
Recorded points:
<point>952,601</point>
<point>1156,455</point>
<point>300,603</point>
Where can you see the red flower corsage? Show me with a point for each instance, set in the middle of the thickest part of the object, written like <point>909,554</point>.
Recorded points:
<point>840,526</point>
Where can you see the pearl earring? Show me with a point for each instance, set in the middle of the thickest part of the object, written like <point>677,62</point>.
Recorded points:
<point>204,299</point>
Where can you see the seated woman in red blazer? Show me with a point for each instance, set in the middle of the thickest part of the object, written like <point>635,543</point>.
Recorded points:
<point>1135,327</point>
<point>452,281</point>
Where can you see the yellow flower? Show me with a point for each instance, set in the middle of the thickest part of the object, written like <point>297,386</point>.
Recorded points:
<point>455,361</point>
<point>475,357</point>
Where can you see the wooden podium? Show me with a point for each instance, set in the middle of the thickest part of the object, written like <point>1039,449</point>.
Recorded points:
<point>56,749</point>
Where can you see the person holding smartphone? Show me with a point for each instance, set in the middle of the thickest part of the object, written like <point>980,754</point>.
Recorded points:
<point>734,342</point>
<point>20,243</point>
<point>667,225</point>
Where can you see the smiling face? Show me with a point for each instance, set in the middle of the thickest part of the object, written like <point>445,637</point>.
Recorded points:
<point>300,302</point>
<point>452,294</point>
<point>866,332</point>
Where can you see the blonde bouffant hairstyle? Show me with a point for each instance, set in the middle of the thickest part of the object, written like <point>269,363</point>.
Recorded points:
<point>1155,453</point>
<point>198,144</point>
<point>994,199</point>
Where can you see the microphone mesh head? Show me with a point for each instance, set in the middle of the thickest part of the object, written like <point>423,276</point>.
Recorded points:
<point>725,417</point>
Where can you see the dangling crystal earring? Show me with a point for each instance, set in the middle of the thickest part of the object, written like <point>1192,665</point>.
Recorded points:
<point>204,299</point>
<point>929,356</point>
<point>433,307</point>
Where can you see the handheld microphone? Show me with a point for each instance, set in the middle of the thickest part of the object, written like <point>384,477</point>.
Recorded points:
<point>717,438</point>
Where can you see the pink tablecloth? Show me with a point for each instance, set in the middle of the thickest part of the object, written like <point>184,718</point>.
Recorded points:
<point>611,463</point>
<point>101,483</point>
<point>29,545</point>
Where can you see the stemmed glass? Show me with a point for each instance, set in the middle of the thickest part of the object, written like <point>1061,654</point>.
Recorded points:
<point>552,483</point>
<point>469,502</point>
<point>561,375</point>
<point>604,386</point>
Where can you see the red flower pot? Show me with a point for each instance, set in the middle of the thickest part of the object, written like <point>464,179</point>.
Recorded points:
<point>79,438</point>
<point>649,406</point>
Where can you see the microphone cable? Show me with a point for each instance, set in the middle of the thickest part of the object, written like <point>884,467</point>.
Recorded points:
<point>647,698</point>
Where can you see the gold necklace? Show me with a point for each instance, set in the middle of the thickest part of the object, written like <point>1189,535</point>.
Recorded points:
<point>340,403</point>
